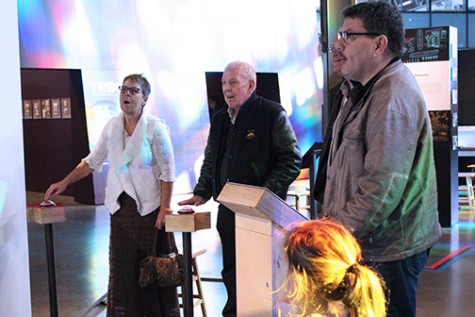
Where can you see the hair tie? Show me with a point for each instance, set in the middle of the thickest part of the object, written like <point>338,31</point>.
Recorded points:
<point>351,268</point>
<point>339,292</point>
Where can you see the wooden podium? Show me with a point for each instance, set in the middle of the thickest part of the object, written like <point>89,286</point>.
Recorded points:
<point>261,217</point>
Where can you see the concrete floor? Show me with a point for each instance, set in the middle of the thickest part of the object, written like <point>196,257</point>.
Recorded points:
<point>81,257</point>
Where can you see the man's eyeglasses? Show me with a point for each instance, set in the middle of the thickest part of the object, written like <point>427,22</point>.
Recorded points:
<point>132,90</point>
<point>346,35</point>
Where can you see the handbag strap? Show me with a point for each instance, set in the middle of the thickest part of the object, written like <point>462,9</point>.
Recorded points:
<point>154,249</point>
<point>166,245</point>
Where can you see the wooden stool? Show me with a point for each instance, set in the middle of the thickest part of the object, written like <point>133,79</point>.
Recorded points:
<point>199,288</point>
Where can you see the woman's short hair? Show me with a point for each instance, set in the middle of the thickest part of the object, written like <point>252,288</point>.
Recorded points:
<point>141,80</point>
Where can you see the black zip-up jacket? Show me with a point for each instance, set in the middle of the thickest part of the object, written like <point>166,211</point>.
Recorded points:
<point>263,149</point>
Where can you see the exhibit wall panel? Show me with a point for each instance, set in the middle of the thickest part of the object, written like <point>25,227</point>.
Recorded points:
<point>14,269</point>
<point>432,58</point>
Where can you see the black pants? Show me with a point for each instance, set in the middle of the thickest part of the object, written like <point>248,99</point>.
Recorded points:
<point>226,226</point>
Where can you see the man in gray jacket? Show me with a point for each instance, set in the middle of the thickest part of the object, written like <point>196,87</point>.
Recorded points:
<point>380,181</point>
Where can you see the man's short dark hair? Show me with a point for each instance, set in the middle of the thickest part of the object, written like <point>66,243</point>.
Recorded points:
<point>382,18</point>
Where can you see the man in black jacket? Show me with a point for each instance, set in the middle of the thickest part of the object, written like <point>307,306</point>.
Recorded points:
<point>250,142</point>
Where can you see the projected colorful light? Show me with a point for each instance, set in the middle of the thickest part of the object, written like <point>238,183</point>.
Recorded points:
<point>174,43</point>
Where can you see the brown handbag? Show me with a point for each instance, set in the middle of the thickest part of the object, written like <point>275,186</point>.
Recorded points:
<point>164,269</point>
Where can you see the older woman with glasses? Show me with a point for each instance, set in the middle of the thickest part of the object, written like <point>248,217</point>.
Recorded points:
<point>138,195</point>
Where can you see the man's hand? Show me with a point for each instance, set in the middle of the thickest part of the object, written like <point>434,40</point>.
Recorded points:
<point>195,200</point>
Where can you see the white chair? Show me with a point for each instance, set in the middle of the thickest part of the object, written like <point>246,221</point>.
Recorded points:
<point>466,193</point>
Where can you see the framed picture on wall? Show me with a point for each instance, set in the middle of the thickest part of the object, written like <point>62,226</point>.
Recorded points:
<point>36,109</point>
<point>55,108</point>
<point>46,108</point>
<point>27,109</point>
<point>66,108</point>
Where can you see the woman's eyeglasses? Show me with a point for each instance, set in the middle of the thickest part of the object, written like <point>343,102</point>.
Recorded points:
<point>131,90</point>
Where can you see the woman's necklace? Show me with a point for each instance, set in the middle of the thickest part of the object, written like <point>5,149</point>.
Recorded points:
<point>125,138</point>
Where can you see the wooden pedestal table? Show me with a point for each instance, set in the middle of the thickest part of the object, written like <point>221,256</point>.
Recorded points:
<point>186,224</point>
<point>261,219</point>
<point>47,216</point>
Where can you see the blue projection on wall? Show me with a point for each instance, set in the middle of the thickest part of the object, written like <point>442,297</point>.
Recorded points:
<point>174,43</point>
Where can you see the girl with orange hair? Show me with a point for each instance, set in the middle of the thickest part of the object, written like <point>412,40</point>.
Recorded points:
<point>326,277</point>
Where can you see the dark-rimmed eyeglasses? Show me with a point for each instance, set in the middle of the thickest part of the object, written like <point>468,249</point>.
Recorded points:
<point>131,90</point>
<point>346,35</point>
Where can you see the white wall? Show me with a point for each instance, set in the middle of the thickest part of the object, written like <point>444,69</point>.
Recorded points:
<point>14,273</point>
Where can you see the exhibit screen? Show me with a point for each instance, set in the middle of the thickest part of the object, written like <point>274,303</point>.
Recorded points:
<point>174,44</point>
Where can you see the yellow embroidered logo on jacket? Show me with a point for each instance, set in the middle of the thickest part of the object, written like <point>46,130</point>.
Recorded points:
<point>250,134</point>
